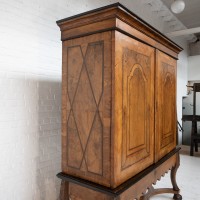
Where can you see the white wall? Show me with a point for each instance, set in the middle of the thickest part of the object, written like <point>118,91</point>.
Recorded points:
<point>30,90</point>
<point>30,80</point>
<point>194,68</point>
<point>182,78</point>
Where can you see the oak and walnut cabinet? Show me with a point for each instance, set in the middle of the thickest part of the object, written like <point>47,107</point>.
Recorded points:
<point>118,105</point>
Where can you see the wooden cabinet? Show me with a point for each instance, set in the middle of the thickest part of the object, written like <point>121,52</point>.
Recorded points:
<point>118,95</point>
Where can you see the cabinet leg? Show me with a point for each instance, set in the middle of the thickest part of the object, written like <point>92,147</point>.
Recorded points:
<point>176,189</point>
<point>64,191</point>
<point>177,197</point>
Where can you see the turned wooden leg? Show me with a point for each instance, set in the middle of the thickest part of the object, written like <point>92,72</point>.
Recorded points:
<point>177,197</point>
<point>176,189</point>
<point>64,190</point>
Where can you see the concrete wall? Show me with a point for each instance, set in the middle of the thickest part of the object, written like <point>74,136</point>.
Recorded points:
<point>194,68</point>
<point>30,90</point>
<point>195,48</point>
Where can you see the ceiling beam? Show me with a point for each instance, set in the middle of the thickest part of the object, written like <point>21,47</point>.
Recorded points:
<point>184,32</point>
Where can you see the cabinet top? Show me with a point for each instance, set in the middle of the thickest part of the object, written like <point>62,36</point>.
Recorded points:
<point>107,18</point>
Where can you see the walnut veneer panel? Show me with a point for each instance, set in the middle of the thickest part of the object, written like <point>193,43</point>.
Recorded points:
<point>86,107</point>
<point>133,102</point>
<point>165,104</point>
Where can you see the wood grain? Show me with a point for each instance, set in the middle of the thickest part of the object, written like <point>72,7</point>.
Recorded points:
<point>77,192</point>
<point>165,103</point>
<point>133,107</point>
<point>86,107</point>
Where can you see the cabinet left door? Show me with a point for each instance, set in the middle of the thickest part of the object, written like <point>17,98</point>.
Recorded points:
<point>86,107</point>
<point>134,107</point>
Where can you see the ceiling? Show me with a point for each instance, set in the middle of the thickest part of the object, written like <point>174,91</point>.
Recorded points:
<point>190,17</point>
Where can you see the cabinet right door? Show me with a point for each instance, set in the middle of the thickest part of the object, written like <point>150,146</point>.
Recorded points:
<point>165,105</point>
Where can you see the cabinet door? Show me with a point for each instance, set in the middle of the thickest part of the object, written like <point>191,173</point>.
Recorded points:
<point>165,104</point>
<point>134,107</point>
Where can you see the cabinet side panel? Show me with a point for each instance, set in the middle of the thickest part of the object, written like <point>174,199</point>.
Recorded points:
<point>165,104</point>
<point>134,107</point>
<point>87,107</point>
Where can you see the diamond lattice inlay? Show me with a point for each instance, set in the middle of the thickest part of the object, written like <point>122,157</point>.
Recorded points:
<point>75,62</point>
<point>74,144</point>
<point>85,88</point>
<point>84,107</point>
<point>94,61</point>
